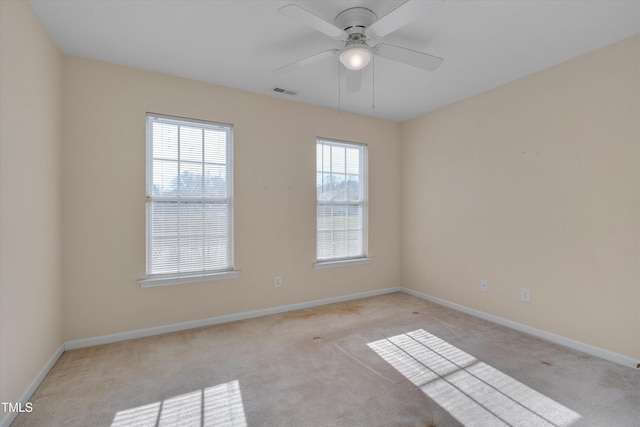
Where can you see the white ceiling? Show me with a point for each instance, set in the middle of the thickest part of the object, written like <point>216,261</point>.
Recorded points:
<point>238,43</point>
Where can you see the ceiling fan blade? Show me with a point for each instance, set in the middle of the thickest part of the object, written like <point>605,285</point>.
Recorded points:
<point>408,56</point>
<point>401,16</point>
<point>353,80</point>
<point>311,20</point>
<point>306,61</point>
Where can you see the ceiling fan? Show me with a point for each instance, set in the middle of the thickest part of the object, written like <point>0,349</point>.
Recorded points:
<point>357,26</point>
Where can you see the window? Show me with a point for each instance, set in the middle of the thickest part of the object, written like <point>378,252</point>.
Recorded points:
<point>189,200</point>
<point>341,188</point>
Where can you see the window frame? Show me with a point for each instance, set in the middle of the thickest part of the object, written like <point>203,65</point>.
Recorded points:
<point>227,272</point>
<point>363,257</point>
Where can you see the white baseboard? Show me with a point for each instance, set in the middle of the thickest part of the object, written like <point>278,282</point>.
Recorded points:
<point>140,333</point>
<point>549,336</point>
<point>10,416</point>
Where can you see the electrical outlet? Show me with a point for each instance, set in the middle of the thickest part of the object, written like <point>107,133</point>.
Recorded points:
<point>484,285</point>
<point>525,295</point>
<point>278,281</point>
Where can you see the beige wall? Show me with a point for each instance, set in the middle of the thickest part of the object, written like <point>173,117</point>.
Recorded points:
<point>274,157</point>
<point>534,184</point>
<point>30,273</point>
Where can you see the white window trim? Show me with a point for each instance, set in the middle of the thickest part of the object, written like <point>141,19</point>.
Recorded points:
<point>364,258</point>
<point>320,265</point>
<point>154,280</point>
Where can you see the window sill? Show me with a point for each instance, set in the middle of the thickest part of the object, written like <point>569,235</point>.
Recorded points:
<point>341,263</point>
<point>164,281</point>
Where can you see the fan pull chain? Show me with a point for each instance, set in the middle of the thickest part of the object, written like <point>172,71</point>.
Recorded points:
<point>373,82</point>
<point>339,79</point>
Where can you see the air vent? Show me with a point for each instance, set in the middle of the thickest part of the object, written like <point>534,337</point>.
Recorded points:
<point>285,91</point>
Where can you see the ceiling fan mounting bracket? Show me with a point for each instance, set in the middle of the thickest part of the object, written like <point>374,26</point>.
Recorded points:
<point>355,20</point>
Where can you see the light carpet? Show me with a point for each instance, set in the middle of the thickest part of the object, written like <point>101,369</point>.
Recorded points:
<point>391,360</point>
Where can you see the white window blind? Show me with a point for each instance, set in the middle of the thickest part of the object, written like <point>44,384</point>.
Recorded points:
<point>189,197</point>
<point>341,190</point>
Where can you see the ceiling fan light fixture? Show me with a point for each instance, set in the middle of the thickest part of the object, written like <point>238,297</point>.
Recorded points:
<point>356,57</point>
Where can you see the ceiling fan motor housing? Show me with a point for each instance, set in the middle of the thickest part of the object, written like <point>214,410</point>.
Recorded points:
<point>355,19</point>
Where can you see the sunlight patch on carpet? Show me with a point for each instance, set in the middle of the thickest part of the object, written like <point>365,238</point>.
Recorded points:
<point>220,405</point>
<point>471,391</point>
<point>358,351</point>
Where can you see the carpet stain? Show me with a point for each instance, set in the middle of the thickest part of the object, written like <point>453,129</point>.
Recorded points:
<point>342,309</point>
<point>546,363</point>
